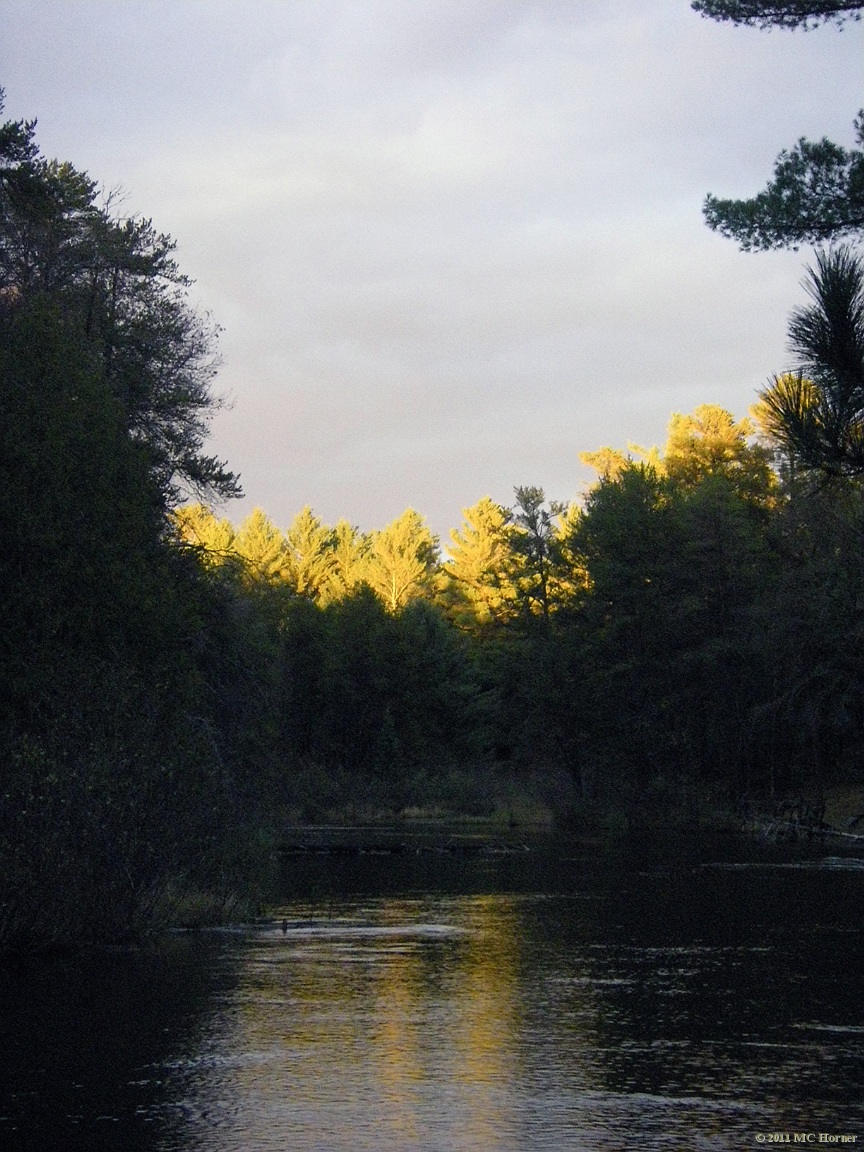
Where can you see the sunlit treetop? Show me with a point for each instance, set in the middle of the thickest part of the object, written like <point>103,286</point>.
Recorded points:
<point>401,559</point>
<point>263,548</point>
<point>709,443</point>
<point>481,543</point>
<point>349,548</point>
<point>312,558</point>
<point>609,463</point>
<point>782,14</point>
<point>199,528</point>
<point>478,576</point>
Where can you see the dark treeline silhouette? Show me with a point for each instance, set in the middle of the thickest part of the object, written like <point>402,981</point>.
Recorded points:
<point>109,778</point>
<point>685,640</point>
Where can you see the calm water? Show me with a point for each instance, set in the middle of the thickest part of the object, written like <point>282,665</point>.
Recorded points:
<point>641,995</point>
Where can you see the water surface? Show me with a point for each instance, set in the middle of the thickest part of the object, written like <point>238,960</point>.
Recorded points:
<point>642,995</point>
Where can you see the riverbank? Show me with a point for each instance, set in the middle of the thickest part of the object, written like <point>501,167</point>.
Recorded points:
<point>517,820</point>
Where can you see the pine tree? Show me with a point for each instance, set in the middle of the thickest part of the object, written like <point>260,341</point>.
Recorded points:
<point>117,285</point>
<point>310,544</point>
<point>402,558</point>
<point>712,443</point>
<point>817,413</point>
<point>350,549</point>
<point>198,527</point>
<point>479,575</point>
<point>263,549</point>
<point>779,13</point>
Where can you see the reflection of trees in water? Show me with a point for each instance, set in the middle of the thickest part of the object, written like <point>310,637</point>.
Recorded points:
<point>644,1000</point>
<point>397,1021</point>
<point>485,1030</point>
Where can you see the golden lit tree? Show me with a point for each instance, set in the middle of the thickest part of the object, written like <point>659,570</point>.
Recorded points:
<point>609,463</point>
<point>310,545</point>
<point>349,550</point>
<point>479,577</point>
<point>402,558</point>
<point>263,549</point>
<point>199,527</point>
<point>712,443</point>
<point>570,578</point>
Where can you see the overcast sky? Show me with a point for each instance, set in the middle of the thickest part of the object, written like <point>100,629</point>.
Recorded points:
<point>452,243</point>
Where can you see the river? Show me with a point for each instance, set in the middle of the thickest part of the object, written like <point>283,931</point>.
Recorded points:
<point>517,995</point>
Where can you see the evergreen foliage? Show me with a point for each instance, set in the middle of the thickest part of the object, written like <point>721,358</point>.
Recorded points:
<point>401,559</point>
<point>817,413</point>
<point>779,13</point>
<point>817,195</point>
<point>310,546</point>
<point>478,579</point>
<point>116,283</point>
<point>110,782</point>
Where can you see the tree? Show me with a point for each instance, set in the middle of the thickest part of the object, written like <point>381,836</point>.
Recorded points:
<point>817,413</point>
<point>479,574</point>
<point>117,283</point>
<point>712,443</point>
<point>113,766</point>
<point>401,559</point>
<point>608,462</point>
<point>350,549</point>
<point>780,13</point>
<point>812,728</point>
<point>672,665</point>
<point>310,544</point>
<point>264,549</point>
<point>110,780</point>
<point>534,540</point>
<point>818,189</point>
<point>546,573</point>
<point>817,194</point>
<point>199,528</point>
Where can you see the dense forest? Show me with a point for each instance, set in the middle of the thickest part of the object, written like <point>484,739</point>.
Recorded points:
<point>683,642</point>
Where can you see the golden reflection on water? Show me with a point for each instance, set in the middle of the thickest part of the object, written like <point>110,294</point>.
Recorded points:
<point>504,1022</point>
<point>486,999</point>
<point>641,1004</point>
<point>388,1027</point>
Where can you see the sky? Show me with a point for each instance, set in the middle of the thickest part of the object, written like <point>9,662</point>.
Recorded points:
<point>451,243</point>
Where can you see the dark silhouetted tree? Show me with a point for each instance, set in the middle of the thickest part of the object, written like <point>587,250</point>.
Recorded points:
<point>779,13</point>
<point>817,194</point>
<point>117,283</point>
<point>817,413</point>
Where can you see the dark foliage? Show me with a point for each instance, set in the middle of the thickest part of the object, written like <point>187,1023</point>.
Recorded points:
<point>817,194</point>
<point>817,413</point>
<point>110,780</point>
<point>785,14</point>
<point>118,287</point>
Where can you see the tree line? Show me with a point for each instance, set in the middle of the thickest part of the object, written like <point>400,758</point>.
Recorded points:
<point>686,631</point>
